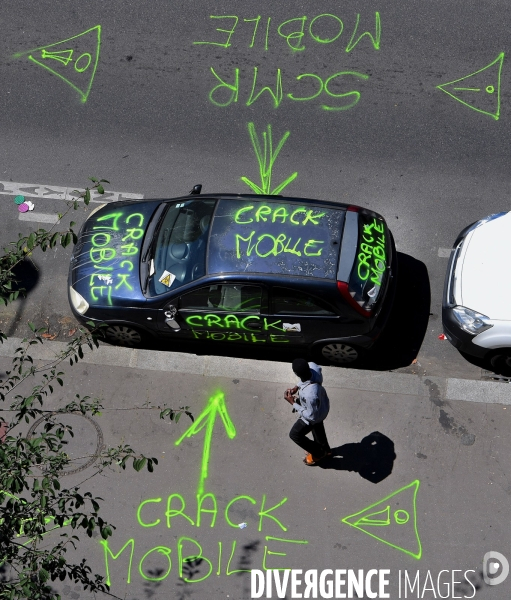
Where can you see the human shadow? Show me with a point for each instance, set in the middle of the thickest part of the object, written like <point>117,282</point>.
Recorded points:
<point>25,278</point>
<point>372,458</point>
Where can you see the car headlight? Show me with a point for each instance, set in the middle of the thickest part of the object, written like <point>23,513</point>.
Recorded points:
<point>470,320</point>
<point>79,303</point>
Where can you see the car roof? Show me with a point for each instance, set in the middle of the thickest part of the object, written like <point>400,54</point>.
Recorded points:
<point>275,235</point>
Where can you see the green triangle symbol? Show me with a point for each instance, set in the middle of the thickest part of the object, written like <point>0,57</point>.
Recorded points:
<point>380,518</point>
<point>73,60</point>
<point>394,518</point>
<point>480,90</point>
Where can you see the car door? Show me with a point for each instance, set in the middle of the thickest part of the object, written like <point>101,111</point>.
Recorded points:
<point>301,317</point>
<point>221,312</point>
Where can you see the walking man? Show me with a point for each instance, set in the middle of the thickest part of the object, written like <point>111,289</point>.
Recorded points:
<point>312,405</point>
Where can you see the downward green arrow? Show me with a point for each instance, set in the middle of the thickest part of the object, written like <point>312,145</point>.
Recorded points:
<point>206,420</point>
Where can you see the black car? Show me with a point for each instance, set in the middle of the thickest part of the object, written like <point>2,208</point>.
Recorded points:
<point>239,269</point>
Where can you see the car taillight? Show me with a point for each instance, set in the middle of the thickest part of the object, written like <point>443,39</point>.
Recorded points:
<point>349,296</point>
<point>353,208</point>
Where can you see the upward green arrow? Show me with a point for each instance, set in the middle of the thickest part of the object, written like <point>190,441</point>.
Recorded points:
<point>206,420</point>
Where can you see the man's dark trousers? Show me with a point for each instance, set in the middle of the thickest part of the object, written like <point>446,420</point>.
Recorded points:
<point>298,434</point>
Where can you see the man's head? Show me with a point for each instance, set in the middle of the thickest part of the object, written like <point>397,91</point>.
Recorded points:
<point>301,369</point>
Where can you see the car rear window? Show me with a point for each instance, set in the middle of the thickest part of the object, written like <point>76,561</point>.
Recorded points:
<point>370,268</point>
<point>267,236</point>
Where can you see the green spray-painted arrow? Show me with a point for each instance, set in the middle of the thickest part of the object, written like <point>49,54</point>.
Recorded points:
<point>215,406</point>
<point>266,156</point>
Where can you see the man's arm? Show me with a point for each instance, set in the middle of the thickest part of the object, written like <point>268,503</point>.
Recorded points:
<point>289,394</point>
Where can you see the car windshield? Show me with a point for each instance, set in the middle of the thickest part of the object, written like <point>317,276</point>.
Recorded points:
<point>180,248</point>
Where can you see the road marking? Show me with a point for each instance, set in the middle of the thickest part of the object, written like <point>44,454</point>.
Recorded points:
<point>54,192</point>
<point>394,521</point>
<point>38,217</point>
<point>444,252</point>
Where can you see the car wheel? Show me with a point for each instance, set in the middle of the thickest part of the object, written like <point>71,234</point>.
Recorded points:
<point>500,362</point>
<point>339,353</point>
<point>122,335</point>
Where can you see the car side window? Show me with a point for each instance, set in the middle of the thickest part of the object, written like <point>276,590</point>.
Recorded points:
<point>224,298</point>
<point>292,302</point>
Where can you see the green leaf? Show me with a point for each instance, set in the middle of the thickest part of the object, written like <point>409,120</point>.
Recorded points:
<point>104,181</point>
<point>54,239</point>
<point>31,241</point>
<point>93,179</point>
<point>139,463</point>
<point>86,196</point>
<point>101,189</point>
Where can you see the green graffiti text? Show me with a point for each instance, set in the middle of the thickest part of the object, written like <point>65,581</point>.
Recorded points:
<point>371,260</point>
<point>322,29</point>
<point>103,252</point>
<point>265,245</point>
<point>233,322</point>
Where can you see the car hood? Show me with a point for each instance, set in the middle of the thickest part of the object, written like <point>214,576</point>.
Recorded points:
<point>106,258</point>
<point>484,280</point>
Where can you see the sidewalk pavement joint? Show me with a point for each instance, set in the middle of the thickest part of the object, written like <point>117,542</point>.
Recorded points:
<point>277,372</point>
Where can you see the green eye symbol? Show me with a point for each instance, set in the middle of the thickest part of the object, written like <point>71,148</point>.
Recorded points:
<point>467,90</point>
<point>73,60</point>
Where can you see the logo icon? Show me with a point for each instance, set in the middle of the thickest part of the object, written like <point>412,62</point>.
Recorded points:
<point>495,568</point>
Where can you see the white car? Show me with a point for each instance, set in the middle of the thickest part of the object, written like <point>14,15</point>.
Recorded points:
<point>476,306</point>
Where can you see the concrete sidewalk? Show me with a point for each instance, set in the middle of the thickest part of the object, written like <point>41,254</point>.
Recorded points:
<point>274,372</point>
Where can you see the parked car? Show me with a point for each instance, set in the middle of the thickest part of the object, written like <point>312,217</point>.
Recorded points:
<point>476,307</point>
<point>238,269</point>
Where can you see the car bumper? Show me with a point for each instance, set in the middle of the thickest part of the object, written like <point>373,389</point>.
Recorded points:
<point>458,337</point>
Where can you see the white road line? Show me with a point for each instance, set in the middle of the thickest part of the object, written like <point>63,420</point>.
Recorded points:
<point>38,217</point>
<point>444,252</point>
<point>54,192</point>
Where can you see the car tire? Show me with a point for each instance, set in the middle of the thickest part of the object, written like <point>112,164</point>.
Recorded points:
<point>123,335</point>
<point>339,353</point>
<point>500,362</point>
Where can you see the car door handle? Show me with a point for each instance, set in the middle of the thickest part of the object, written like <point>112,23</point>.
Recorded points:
<point>252,325</point>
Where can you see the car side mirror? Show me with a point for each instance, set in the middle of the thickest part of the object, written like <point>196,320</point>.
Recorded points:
<point>170,316</point>
<point>171,312</point>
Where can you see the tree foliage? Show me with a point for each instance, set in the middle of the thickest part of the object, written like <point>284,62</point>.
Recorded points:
<point>40,519</point>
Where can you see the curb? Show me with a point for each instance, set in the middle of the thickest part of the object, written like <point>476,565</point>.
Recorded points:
<point>276,372</point>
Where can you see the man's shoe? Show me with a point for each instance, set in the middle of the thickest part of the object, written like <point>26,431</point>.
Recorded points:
<point>310,460</point>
